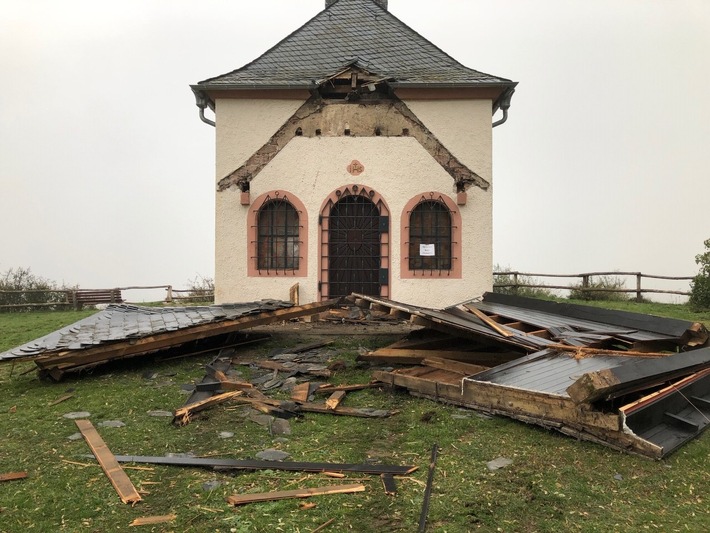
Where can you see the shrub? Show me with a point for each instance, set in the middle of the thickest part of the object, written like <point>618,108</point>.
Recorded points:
<point>700,286</point>
<point>598,284</point>
<point>201,289</point>
<point>504,276</point>
<point>27,288</point>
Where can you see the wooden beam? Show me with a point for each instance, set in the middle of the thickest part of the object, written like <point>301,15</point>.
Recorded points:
<point>108,462</point>
<point>242,499</point>
<point>334,400</point>
<point>488,321</point>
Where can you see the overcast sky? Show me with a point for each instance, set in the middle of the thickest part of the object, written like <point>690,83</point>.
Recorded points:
<point>107,173</point>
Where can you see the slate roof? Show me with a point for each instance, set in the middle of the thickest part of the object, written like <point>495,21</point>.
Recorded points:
<point>347,33</point>
<point>122,322</point>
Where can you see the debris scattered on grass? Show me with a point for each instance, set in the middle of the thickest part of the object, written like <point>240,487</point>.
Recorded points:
<point>12,476</point>
<point>497,464</point>
<point>272,455</point>
<point>77,414</point>
<point>152,520</point>
<point>242,499</point>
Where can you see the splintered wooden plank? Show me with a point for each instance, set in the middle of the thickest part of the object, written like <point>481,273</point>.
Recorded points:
<point>334,400</point>
<point>183,415</point>
<point>241,499</point>
<point>12,476</point>
<point>300,392</point>
<point>152,520</point>
<point>107,460</point>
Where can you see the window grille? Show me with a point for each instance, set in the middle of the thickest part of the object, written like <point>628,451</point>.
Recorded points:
<point>430,236</point>
<point>278,236</point>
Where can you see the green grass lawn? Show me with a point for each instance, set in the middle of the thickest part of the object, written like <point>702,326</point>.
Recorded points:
<point>553,484</point>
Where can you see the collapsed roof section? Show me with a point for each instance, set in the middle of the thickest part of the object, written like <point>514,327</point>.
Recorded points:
<point>122,331</point>
<point>634,382</point>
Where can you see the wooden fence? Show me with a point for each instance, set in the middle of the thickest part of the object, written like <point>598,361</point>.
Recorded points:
<point>75,298</point>
<point>63,299</point>
<point>526,280</point>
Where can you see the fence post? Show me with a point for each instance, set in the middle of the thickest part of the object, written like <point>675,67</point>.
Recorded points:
<point>169,295</point>
<point>585,286</point>
<point>639,298</point>
<point>515,282</point>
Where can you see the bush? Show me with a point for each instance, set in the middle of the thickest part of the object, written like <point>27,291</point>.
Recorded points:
<point>598,284</point>
<point>201,289</point>
<point>505,276</point>
<point>700,286</point>
<point>27,289</point>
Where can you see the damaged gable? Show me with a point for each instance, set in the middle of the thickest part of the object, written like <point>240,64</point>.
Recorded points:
<point>356,116</point>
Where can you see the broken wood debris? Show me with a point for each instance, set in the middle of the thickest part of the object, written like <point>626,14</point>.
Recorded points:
<point>242,499</point>
<point>183,415</point>
<point>153,520</point>
<point>334,400</point>
<point>13,476</point>
<point>108,462</point>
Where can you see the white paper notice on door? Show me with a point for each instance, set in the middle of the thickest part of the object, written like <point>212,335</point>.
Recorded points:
<point>427,250</point>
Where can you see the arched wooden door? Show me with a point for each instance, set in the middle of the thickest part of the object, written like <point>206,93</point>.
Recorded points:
<point>354,230</point>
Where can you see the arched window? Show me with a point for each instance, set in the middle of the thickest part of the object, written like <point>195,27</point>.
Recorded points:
<point>278,246</point>
<point>278,232</point>
<point>431,237</point>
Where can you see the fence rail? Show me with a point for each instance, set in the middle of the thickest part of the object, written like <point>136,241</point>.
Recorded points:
<point>586,285</point>
<point>67,298</point>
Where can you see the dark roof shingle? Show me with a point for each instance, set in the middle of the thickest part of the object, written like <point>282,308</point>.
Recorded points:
<point>353,32</point>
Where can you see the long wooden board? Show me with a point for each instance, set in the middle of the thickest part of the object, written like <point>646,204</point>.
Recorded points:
<point>108,462</point>
<point>241,499</point>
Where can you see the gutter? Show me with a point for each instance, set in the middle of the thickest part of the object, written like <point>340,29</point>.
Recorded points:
<point>504,104</point>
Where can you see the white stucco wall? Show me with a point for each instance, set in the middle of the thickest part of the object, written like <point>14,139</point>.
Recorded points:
<point>398,168</point>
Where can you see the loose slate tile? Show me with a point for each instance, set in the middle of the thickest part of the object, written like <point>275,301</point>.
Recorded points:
<point>112,424</point>
<point>210,485</point>
<point>497,464</point>
<point>160,413</point>
<point>272,455</point>
<point>280,426</point>
<point>77,414</point>
<point>225,434</point>
<point>262,420</point>
<point>75,436</point>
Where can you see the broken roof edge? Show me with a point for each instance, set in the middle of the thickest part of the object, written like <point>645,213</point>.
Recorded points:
<point>667,326</point>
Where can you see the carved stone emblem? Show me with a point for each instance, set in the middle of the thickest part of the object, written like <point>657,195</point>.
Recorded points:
<point>356,168</point>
